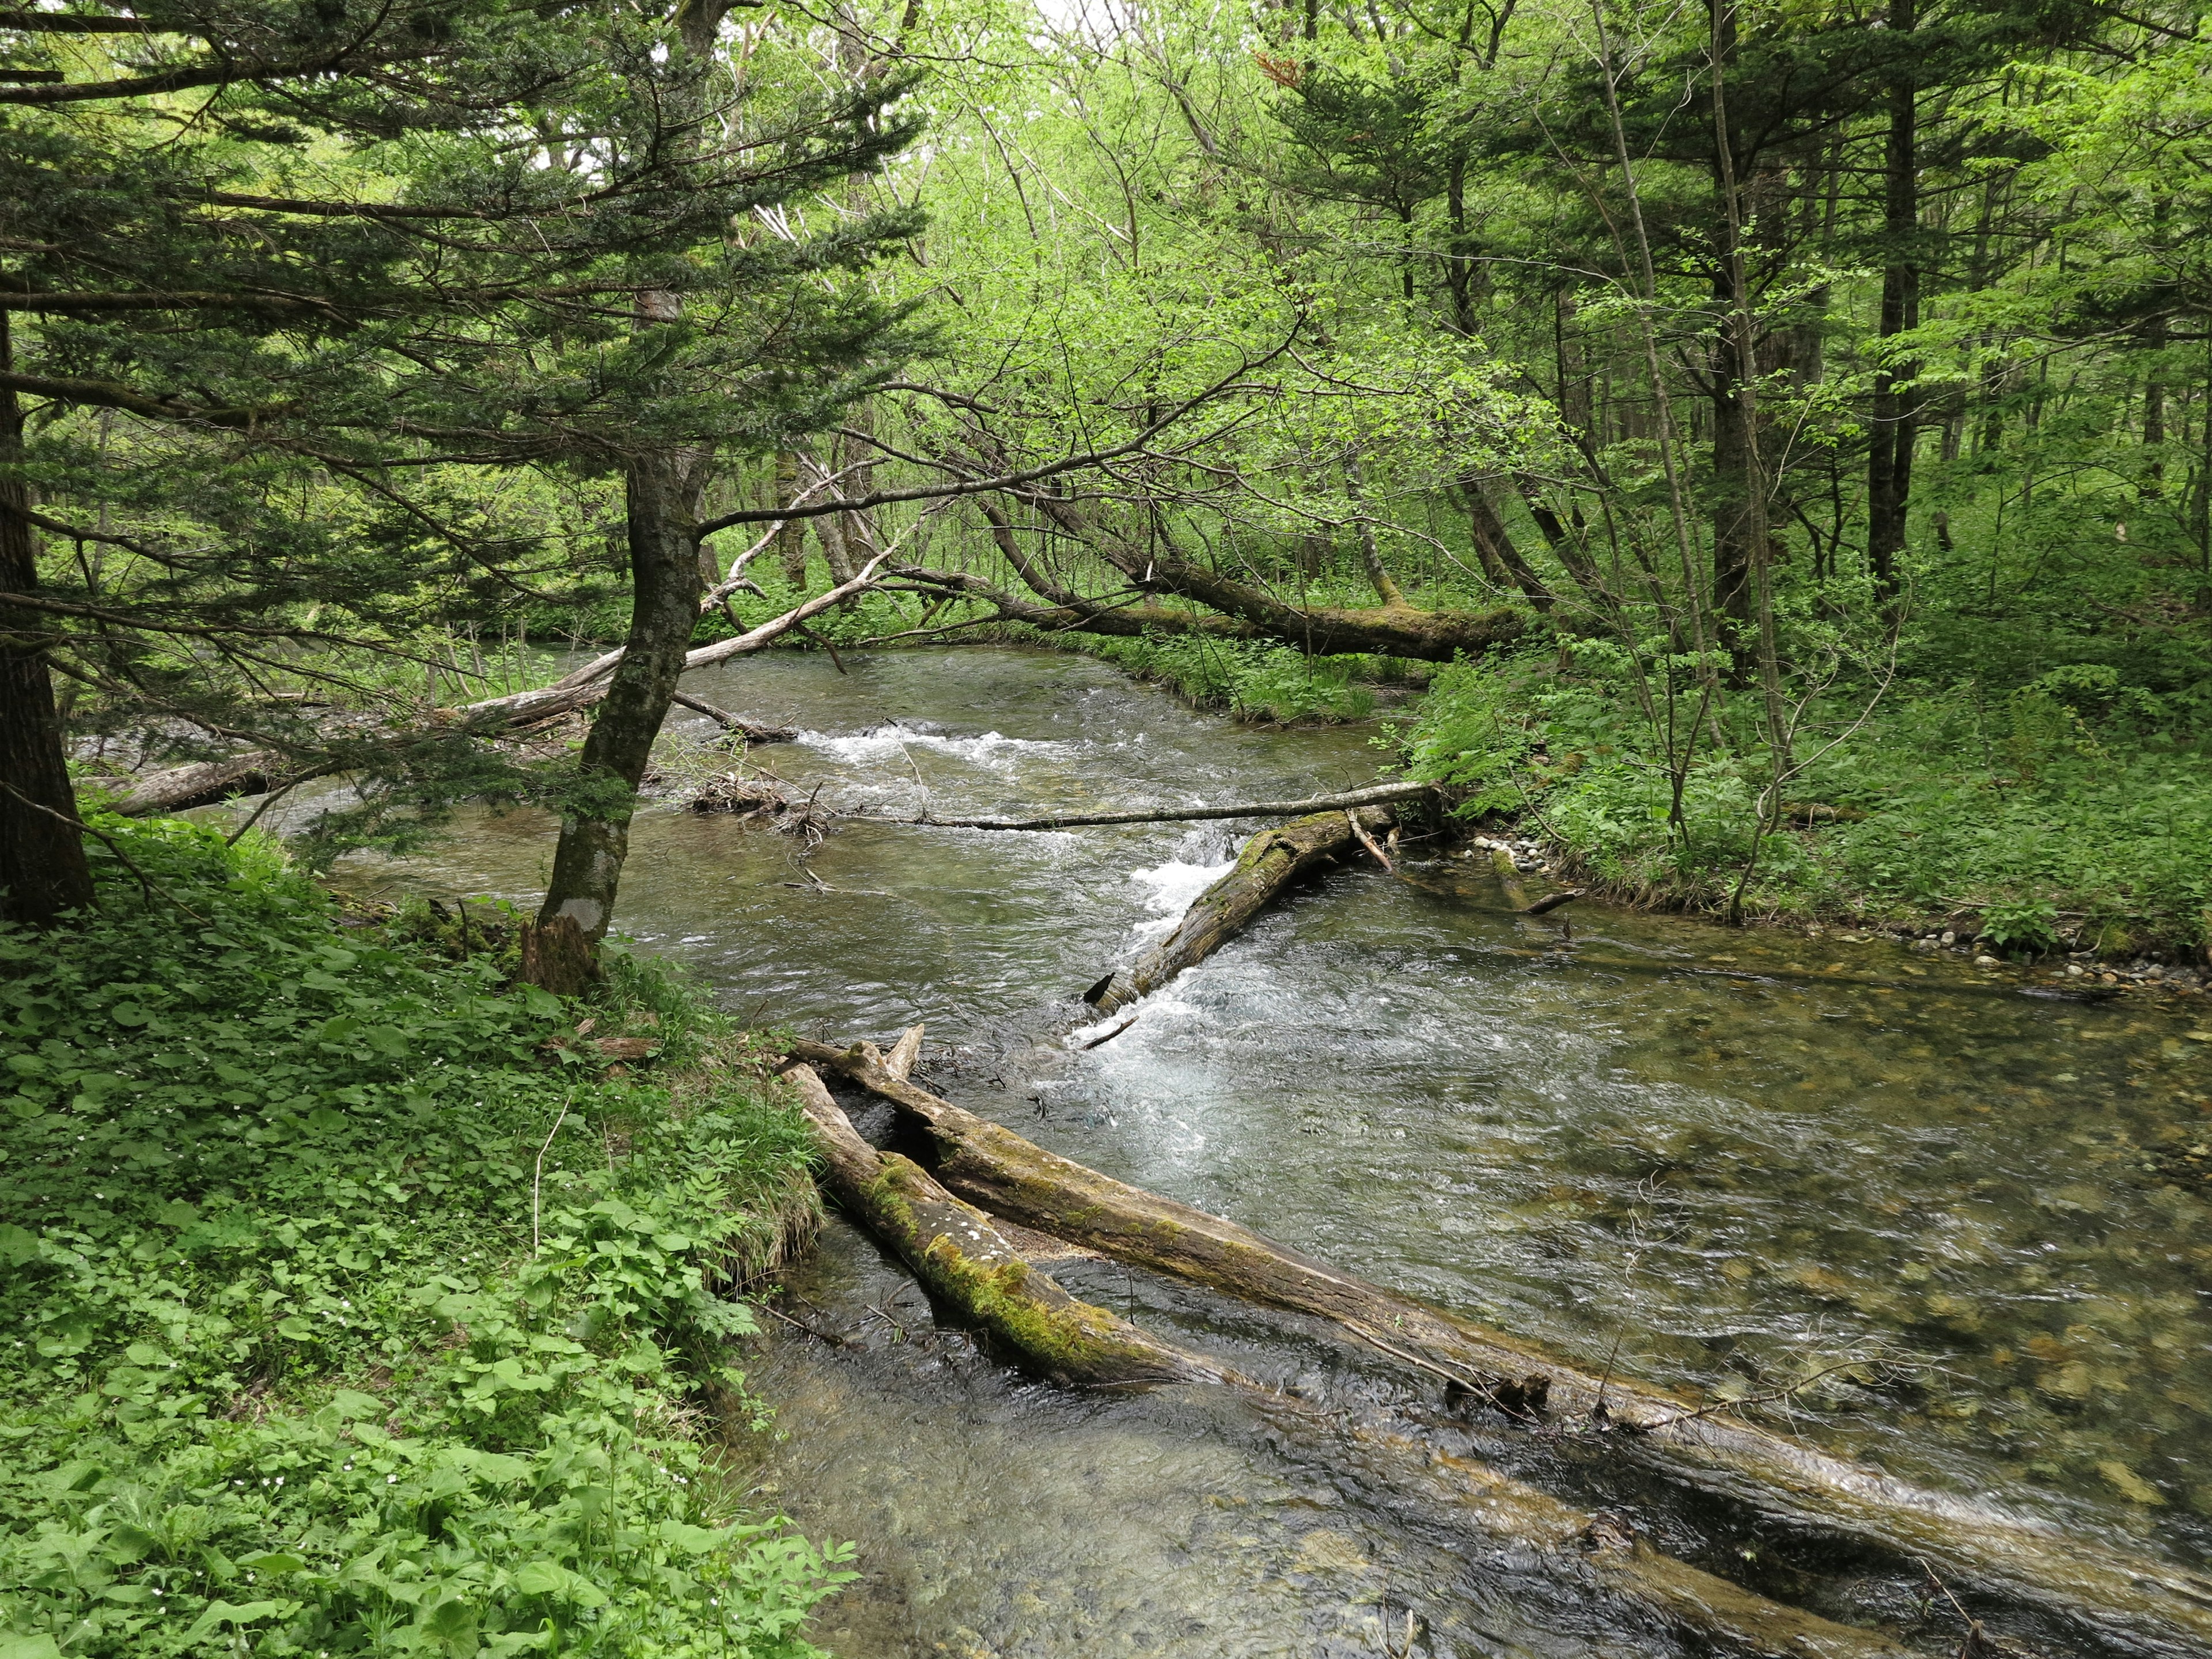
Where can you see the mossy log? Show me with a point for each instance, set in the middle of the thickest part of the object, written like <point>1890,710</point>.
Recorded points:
<point>959,1253</point>
<point>2154,1605</point>
<point>998,1283</point>
<point>1270,861</point>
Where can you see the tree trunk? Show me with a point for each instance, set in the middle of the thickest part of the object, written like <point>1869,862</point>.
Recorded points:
<point>43,870</point>
<point>2133,1599</point>
<point>966,1262</point>
<point>1374,795</point>
<point>1889,455</point>
<point>662,494</point>
<point>1271,861</point>
<point>791,539</point>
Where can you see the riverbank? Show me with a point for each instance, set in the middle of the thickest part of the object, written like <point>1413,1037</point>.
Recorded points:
<point>361,1301</point>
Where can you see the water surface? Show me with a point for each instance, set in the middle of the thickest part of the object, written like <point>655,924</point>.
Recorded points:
<point>1719,1160</point>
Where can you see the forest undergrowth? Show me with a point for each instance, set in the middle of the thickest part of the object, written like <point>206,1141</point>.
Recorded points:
<point>361,1302</point>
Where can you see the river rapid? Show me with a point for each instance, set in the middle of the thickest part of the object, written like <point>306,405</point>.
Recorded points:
<point>1718,1160</point>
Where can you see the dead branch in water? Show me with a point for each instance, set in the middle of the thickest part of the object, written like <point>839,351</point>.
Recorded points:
<point>730,722</point>
<point>994,1280</point>
<point>1376,795</point>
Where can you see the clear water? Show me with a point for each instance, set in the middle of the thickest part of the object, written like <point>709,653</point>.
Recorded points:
<point>1719,1160</point>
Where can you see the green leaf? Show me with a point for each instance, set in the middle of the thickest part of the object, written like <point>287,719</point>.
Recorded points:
<point>226,1613</point>
<point>296,1328</point>
<point>17,1246</point>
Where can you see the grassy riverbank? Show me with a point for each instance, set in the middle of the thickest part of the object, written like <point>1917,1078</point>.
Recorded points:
<point>359,1303</point>
<point>2069,809</point>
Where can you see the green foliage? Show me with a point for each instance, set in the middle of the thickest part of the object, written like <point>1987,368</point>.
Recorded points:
<point>1252,680</point>
<point>2075,807</point>
<point>347,1316</point>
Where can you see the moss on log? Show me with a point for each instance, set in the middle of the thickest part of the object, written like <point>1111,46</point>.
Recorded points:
<point>963,1259</point>
<point>2156,1606</point>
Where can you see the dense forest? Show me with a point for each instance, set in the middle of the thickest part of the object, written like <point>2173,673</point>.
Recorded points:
<point>1784,442</point>
<point>1762,455</point>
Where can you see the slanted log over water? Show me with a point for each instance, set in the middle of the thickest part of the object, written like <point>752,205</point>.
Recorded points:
<point>1271,861</point>
<point>998,1283</point>
<point>968,1265</point>
<point>2150,1605</point>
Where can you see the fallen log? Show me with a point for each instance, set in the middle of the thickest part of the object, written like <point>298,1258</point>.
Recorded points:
<point>201,784</point>
<point>1543,907</point>
<point>961,1257</point>
<point>992,1281</point>
<point>2159,1608</point>
<point>1271,861</point>
<point>252,773</point>
<point>1374,795</point>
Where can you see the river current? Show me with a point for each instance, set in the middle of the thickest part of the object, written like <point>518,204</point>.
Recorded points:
<point>1720,1160</point>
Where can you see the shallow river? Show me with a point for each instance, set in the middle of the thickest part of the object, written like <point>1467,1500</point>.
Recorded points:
<point>1719,1160</point>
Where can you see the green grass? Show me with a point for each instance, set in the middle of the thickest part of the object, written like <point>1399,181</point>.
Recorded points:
<point>343,1314</point>
<point>2070,809</point>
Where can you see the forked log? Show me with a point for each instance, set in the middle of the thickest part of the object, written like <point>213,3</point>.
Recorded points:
<point>2155,1605</point>
<point>1271,861</point>
<point>970,1265</point>
<point>961,1257</point>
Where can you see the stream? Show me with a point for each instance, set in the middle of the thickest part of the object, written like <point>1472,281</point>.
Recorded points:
<point>1721,1160</point>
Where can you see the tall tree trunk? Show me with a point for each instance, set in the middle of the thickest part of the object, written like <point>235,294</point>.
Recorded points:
<point>1889,455</point>
<point>1734,463</point>
<point>791,539</point>
<point>43,870</point>
<point>560,950</point>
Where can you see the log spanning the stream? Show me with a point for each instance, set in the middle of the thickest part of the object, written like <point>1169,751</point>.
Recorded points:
<point>1269,862</point>
<point>991,1278</point>
<point>1376,795</point>
<point>2151,1606</point>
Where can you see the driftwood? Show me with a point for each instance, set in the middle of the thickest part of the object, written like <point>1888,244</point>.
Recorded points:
<point>993,1277</point>
<point>201,784</point>
<point>1376,795</point>
<point>2161,1608</point>
<point>1270,860</point>
<point>1543,907</point>
<point>730,722</point>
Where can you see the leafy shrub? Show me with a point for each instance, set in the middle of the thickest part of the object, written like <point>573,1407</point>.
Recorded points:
<point>346,1316</point>
<point>2073,804</point>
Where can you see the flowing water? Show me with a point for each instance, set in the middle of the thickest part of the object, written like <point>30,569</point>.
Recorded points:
<point>1719,1160</point>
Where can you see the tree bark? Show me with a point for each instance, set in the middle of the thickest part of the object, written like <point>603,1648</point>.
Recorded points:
<point>993,1279</point>
<point>1375,796</point>
<point>1271,861</point>
<point>662,491</point>
<point>2166,1609</point>
<point>43,869</point>
<point>967,1263</point>
<point>1889,453</point>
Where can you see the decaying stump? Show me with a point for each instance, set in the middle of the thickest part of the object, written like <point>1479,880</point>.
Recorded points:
<point>2164,1608</point>
<point>1271,861</point>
